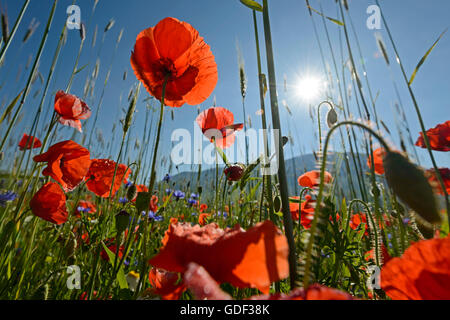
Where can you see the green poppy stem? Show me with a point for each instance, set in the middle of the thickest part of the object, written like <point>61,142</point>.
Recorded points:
<point>307,276</point>
<point>158,135</point>
<point>287,219</point>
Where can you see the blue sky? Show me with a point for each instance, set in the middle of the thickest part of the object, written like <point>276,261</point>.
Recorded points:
<point>415,25</point>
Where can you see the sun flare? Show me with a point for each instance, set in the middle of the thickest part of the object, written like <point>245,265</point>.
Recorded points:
<point>309,87</point>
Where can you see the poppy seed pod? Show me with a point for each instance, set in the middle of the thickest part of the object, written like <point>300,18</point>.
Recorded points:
<point>132,192</point>
<point>122,221</point>
<point>332,118</point>
<point>235,172</point>
<point>410,185</point>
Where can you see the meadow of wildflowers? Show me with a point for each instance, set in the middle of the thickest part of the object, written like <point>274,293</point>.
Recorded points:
<point>89,215</point>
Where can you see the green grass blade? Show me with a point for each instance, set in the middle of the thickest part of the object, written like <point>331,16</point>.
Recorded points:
<point>10,107</point>
<point>425,57</point>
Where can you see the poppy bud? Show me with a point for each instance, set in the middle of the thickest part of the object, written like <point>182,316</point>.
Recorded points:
<point>411,186</point>
<point>199,189</point>
<point>277,204</point>
<point>122,221</point>
<point>132,192</point>
<point>332,118</point>
<point>235,172</point>
<point>82,32</point>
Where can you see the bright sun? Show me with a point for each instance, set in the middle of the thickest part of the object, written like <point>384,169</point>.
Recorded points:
<point>309,88</point>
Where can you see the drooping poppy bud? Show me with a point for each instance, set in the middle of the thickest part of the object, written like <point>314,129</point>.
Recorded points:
<point>410,184</point>
<point>235,172</point>
<point>132,192</point>
<point>332,118</point>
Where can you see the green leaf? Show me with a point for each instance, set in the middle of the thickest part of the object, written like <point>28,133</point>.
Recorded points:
<point>331,19</point>
<point>252,5</point>
<point>143,201</point>
<point>425,57</point>
<point>10,107</point>
<point>120,274</point>
<point>221,154</point>
<point>81,69</point>
<point>248,171</point>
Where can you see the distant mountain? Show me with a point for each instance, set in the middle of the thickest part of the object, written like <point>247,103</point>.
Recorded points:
<point>294,168</point>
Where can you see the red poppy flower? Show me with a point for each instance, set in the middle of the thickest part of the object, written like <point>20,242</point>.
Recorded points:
<point>100,175</point>
<point>68,163</point>
<point>445,174</point>
<point>216,124</point>
<point>203,218</point>
<point>378,155</point>
<point>165,284</point>
<point>29,142</point>
<point>111,245</point>
<point>254,258</point>
<point>311,179</point>
<point>203,207</point>
<point>439,137</point>
<point>370,255</point>
<point>307,211</point>
<point>71,110</point>
<point>154,204</point>
<point>197,279</point>
<point>175,50</point>
<point>422,273</point>
<point>356,220</point>
<point>173,221</point>
<point>234,172</point>
<point>87,207</point>
<point>49,203</point>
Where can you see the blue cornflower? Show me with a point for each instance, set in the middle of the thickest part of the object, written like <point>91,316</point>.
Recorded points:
<point>152,215</point>
<point>193,213</point>
<point>82,209</point>
<point>123,200</point>
<point>168,191</point>
<point>8,196</point>
<point>191,202</point>
<point>179,194</point>
<point>128,184</point>
<point>194,196</point>
<point>220,213</point>
<point>166,178</point>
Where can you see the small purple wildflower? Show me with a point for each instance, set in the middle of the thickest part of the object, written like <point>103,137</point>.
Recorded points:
<point>8,196</point>
<point>123,200</point>
<point>166,178</point>
<point>179,194</point>
<point>191,202</point>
